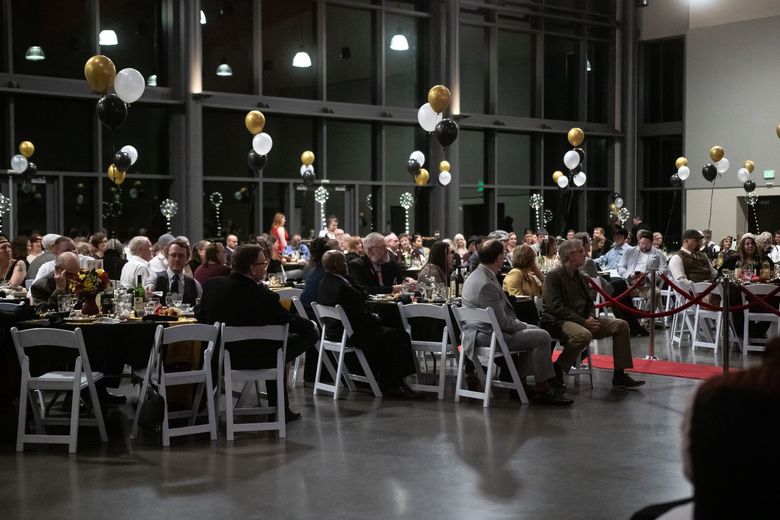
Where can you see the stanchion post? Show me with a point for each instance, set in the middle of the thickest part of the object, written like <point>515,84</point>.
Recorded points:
<point>725,321</point>
<point>651,348</point>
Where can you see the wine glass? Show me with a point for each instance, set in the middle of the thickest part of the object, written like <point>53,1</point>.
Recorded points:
<point>176,299</point>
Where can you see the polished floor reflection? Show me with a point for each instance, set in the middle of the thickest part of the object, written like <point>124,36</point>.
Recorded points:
<point>609,454</point>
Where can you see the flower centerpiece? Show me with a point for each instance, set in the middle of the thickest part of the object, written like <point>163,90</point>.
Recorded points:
<point>86,284</point>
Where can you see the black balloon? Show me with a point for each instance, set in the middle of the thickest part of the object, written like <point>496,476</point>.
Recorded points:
<point>749,186</point>
<point>308,178</point>
<point>413,167</point>
<point>446,132</point>
<point>675,180</point>
<point>31,171</point>
<point>710,172</point>
<point>256,161</point>
<point>581,153</point>
<point>577,169</point>
<point>122,160</point>
<point>111,111</point>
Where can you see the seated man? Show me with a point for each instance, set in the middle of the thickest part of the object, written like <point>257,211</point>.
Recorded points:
<point>569,315</point>
<point>388,350</point>
<point>241,300</point>
<point>137,262</point>
<point>54,284</point>
<point>690,263</point>
<point>374,271</point>
<point>481,291</point>
<point>611,260</point>
<point>173,279</point>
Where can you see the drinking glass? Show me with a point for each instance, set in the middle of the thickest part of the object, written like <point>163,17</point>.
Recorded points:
<point>175,298</point>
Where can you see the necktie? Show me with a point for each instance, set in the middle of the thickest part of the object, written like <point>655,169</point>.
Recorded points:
<point>175,284</point>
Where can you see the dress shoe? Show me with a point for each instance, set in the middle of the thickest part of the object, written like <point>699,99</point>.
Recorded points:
<point>290,416</point>
<point>626,381</point>
<point>557,382</point>
<point>473,383</point>
<point>551,398</point>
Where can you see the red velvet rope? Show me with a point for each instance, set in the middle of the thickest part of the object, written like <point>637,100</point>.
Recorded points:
<point>643,314</point>
<point>761,301</point>
<point>625,293</point>
<point>716,308</point>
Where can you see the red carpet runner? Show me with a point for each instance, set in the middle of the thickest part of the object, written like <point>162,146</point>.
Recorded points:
<point>662,368</point>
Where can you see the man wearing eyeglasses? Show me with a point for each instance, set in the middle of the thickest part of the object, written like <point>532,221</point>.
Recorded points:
<point>240,300</point>
<point>48,288</point>
<point>373,270</point>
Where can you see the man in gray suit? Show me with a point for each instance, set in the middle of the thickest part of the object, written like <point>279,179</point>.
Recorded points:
<point>482,291</point>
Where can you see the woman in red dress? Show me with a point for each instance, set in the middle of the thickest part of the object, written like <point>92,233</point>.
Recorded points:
<point>278,232</point>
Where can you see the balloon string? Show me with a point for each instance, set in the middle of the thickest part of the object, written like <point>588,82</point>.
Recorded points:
<point>671,212</point>
<point>712,194</point>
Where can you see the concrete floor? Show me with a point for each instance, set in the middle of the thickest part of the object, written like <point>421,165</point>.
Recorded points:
<point>609,454</point>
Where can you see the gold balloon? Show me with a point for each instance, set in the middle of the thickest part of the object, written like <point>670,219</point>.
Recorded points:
<point>255,122</point>
<point>422,178</point>
<point>26,148</point>
<point>439,98</point>
<point>750,166</point>
<point>557,175</point>
<point>717,153</point>
<point>100,72</point>
<point>680,162</point>
<point>613,208</point>
<point>576,136</point>
<point>444,166</point>
<point>116,175</point>
<point>307,158</point>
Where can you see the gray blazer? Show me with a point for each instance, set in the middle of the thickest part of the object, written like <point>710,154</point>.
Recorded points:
<point>481,291</point>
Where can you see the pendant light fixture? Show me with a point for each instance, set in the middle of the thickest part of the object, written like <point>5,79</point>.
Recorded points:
<point>399,41</point>
<point>108,37</point>
<point>202,17</point>
<point>34,53</point>
<point>224,69</point>
<point>301,60</point>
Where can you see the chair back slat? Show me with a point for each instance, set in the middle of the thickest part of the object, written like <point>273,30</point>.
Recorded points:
<point>289,293</point>
<point>47,337</point>
<point>334,313</point>
<point>265,332</point>
<point>190,332</point>
<point>464,315</point>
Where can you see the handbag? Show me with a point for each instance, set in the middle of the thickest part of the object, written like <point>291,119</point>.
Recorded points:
<point>152,412</point>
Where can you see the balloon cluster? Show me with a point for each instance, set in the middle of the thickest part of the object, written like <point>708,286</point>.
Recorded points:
<point>743,174</point>
<point>261,142</point>
<point>683,172</point>
<point>415,168</point>
<point>573,160</point>
<point>431,119</point>
<point>121,162</point>
<point>307,170</point>
<point>718,165</point>
<point>21,164</point>
<point>616,205</point>
<point>242,194</point>
<point>444,173</point>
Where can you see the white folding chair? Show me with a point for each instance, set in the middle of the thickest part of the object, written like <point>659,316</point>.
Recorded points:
<point>431,312</point>
<point>600,311</point>
<point>74,381</point>
<point>156,375</point>
<point>757,314</point>
<point>707,324</point>
<point>682,322</point>
<point>337,313</point>
<point>498,347</point>
<point>270,333</point>
<point>294,295</point>
<point>579,369</point>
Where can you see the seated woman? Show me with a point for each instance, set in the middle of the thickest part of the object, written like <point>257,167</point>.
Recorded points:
<point>12,270</point>
<point>525,278</point>
<point>214,264</point>
<point>404,250</point>
<point>354,248</point>
<point>748,256</point>
<point>419,254</point>
<point>438,265</point>
<point>549,251</point>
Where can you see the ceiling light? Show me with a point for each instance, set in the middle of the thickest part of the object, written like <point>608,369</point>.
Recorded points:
<point>202,17</point>
<point>224,69</point>
<point>587,66</point>
<point>642,3</point>
<point>34,53</point>
<point>301,59</point>
<point>108,37</point>
<point>399,43</point>
<point>152,80</point>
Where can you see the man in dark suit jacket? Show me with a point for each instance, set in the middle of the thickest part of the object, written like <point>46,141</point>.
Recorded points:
<point>240,299</point>
<point>173,278</point>
<point>388,350</point>
<point>51,286</point>
<point>374,271</point>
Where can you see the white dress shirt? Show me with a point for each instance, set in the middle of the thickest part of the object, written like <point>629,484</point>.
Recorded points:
<point>158,264</point>
<point>135,266</point>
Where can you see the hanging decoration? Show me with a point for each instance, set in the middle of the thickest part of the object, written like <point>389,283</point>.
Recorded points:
<point>622,215</point>
<point>683,171</point>
<point>537,202</point>
<point>431,119</point>
<point>169,208</point>
<point>5,207</point>
<point>548,217</point>
<point>307,168</point>
<point>445,177</point>
<point>752,199</point>
<point>216,201</point>
<point>406,202</point>
<point>321,196</point>
<point>262,143</point>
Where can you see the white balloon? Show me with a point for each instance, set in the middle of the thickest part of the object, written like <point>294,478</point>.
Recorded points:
<point>580,179</point>
<point>722,165</point>
<point>445,178</point>
<point>262,143</point>
<point>683,172</point>
<point>418,156</point>
<point>129,85</point>
<point>131,151</point>
<point>563,180</point>
<point>306,168</point>
<point>571,159</point>
<point>19,163</point>
<point>743,175</point>
<point>619,202</point>
<point>427,118</point>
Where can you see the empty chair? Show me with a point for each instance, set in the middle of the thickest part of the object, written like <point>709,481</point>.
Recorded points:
<point>498,347</point>
<point>276,333</point>
<point>74,381</point>
<point>757,314</point>
<point>156,375</point>
<point>294,295</point>
<point>439,348</point>
<point>324,312</point>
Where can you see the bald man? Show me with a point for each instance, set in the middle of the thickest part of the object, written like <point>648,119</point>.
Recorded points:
<point>48,288</point>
